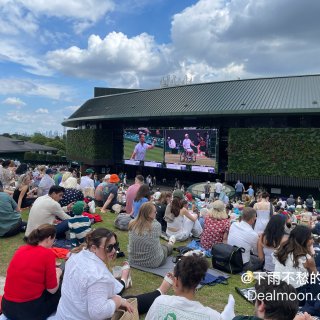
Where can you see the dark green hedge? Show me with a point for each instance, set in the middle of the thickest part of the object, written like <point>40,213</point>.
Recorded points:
<point>276,152</point>
<point>89,145</point>
<point>36,157</point>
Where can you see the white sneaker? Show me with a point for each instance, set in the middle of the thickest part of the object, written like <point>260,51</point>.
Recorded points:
<point>172,240</point>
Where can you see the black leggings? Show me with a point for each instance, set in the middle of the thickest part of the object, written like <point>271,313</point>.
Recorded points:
<point>145,300</point>
<point>27,202</point>
<point>39,309</point>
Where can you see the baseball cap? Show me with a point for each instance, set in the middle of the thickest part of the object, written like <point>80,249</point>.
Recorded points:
<point>107,177</point>
<point>89,171</point>
<point>49,171</point>
<point>178,194</point>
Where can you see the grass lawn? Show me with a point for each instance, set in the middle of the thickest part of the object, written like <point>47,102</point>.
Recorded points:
<point>215,297</point>
<point>155,154</point>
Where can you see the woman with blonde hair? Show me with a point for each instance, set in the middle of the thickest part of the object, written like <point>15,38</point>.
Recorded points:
<point>21,195</point>
<point>216,226</point>
<point>64,178</point>
<point>145,248</point>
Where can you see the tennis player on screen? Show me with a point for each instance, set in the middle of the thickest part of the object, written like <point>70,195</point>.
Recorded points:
<point>187,143</point>
<point>141,148</point>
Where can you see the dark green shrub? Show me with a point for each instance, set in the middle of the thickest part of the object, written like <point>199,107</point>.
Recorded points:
<point>276,152</point>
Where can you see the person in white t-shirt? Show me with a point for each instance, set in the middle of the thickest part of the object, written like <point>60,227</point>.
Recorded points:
<point>187,143</point>
<point>188,273</point>
<point>87,181</point>
<point>141,148</point>
<point>217,188</point>
<point>242,235</point>
<point>172,143</point>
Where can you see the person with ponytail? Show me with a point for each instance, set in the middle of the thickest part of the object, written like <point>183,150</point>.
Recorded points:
<point>31,290</point>
<point>89,290</point>
<point>180,222</point>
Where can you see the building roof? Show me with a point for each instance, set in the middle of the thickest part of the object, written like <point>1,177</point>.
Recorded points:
<point>282,95</point>
<point>8,145</point>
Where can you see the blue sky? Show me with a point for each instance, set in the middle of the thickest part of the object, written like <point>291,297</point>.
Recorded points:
<point>53,53</point>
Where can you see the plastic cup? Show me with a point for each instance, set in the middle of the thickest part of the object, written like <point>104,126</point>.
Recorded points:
<point>117,271</point>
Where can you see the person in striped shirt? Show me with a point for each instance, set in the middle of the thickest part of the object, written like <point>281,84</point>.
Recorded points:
<point>79,225</point>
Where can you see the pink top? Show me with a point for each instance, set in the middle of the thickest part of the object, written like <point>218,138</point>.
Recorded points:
<point>130,195</point>
<point>213,231</point>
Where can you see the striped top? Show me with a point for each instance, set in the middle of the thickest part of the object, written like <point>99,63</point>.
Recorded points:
<point>79,227</point>
<point>146,250</point>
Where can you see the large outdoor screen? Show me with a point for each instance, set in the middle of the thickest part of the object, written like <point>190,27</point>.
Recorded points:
<point>196,147</point>
<point>143,144</point>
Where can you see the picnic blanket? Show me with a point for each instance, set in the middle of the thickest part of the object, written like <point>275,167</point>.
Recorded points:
<point>195,245</point>
<point>62,243</point>
<point>169,266</point>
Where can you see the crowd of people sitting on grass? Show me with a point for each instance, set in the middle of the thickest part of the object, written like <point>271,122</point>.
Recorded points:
<point>275,236</point>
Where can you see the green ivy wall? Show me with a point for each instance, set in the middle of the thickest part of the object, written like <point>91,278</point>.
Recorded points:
<point>275,152</point>
<point>90,146</point>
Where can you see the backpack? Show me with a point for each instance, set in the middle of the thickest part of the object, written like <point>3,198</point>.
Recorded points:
<point>122,221</point>
<point>227,258</point>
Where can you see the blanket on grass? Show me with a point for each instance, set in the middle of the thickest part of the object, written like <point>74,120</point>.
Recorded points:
<point>169,266</point>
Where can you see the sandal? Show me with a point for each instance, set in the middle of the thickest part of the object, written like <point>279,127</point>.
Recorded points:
<point>128,282</point>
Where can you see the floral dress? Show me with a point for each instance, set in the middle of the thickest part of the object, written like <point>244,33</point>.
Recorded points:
<point>213,231</point>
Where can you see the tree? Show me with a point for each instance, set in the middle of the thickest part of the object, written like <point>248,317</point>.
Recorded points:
<point>39,138</point>
<point>56,144</point>
<point>7,135</point>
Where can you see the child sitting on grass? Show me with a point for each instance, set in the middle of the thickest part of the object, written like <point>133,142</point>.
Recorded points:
<point>79,225</point>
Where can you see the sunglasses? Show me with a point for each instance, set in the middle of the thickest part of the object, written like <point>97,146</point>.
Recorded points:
<point>110,247</point>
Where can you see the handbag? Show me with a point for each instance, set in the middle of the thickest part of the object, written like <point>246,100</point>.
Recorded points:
<point>122,221</point>
<point>125,315</point>
<point>227,258</point>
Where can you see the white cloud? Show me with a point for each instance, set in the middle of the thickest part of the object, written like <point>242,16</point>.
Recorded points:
<point>14,102</point>
<point>86,10</point>
<point>30,87</point>
<point>72,108</point>
<point>211,40</point>
<point>20,54</point>
<point>264,37</point>
<point>15,19</point>
<point>18,16</point>
<point>115,54</point>
<point>31,122</point>
<point>42,110</point>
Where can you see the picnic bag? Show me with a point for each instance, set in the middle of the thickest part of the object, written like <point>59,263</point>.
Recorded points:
<point>227,258</point>
<point>125,315</point>
<point>122,221</point>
